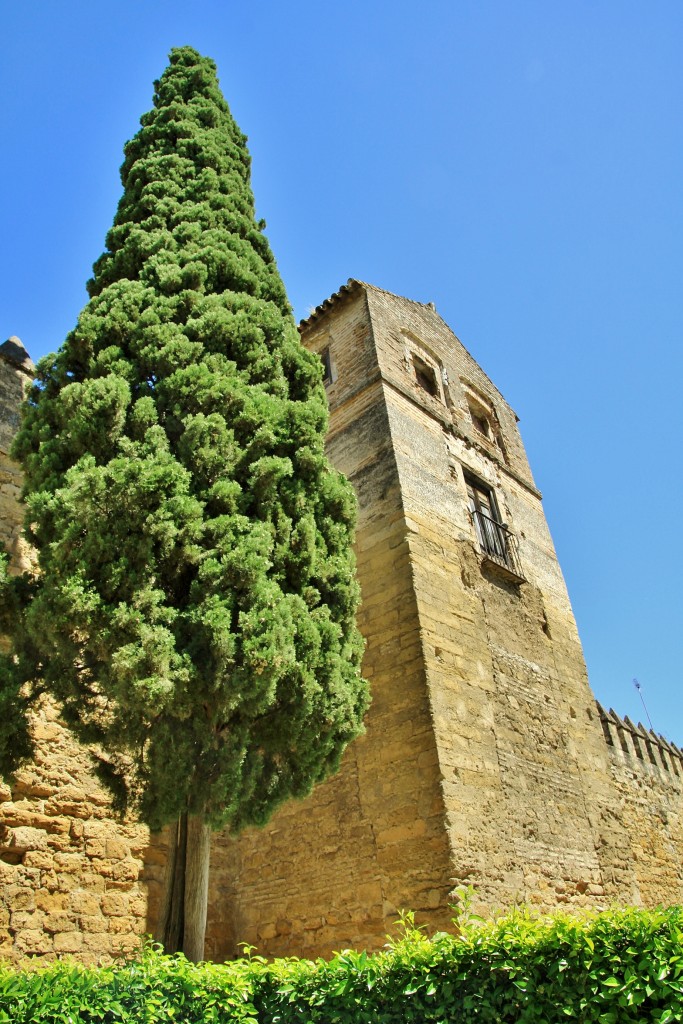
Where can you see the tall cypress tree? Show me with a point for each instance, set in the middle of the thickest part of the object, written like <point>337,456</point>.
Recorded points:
<point>194,612</point>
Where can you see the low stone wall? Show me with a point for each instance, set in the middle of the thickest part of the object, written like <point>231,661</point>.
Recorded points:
<point>647,773</point>
<point>72,879</point>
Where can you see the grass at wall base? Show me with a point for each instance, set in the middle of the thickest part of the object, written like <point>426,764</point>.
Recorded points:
<point>615,967</point>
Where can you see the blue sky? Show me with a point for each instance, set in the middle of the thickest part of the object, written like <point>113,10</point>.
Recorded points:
<point>518,164</point>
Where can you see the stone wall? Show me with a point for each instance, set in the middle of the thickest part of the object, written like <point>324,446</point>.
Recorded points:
<point>72,879</point>
<point>647,774</point>
<point>485,759</point>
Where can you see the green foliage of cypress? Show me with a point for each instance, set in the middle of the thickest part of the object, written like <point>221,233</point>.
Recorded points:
<point>195,608</point>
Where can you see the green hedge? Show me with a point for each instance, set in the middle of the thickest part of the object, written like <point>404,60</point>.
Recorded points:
<point>617,967</point>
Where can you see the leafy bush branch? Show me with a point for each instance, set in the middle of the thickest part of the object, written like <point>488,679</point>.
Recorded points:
<point>617,967</point>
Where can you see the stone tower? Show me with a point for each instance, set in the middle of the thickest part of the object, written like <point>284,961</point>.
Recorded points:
<point>484,761</point>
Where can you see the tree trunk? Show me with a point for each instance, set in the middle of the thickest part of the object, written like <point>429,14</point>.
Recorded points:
<point>182,918</point>
<point>169,930</point>
<point>196,887</point>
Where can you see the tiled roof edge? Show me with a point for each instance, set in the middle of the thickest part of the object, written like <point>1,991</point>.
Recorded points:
<point>351,286</point>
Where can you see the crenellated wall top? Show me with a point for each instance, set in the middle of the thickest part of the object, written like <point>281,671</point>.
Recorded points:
<point>639,744</point>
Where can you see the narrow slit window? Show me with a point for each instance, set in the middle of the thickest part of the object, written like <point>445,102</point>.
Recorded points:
<point>326,360</point>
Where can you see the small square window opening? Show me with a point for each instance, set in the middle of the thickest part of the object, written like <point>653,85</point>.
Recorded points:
<point>481,423</point>
<point>425,375</point>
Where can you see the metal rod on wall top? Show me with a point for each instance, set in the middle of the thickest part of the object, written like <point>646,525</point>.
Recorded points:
<point>637,686</point>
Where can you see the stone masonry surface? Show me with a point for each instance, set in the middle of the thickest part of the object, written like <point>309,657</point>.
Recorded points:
<point>16,372</point>
<point>485,760</point>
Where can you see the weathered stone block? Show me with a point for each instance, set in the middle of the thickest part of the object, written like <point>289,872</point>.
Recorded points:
<point>32,941</point>
<point>69,863</point>
<point>21,899</point>
<point>80,902</point>
<point>93,923</point>
<point>68,942</point>
<point>116,849</point>
<point>116,904</point>
<point>59,922</point>
<point>122,925</point>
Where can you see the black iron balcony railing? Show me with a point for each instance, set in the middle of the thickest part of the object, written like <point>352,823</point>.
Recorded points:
<point>498,544</point>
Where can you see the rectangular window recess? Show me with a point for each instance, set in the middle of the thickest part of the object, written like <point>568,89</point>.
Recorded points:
<point>480,423</point>
<point>497,544</point>
<point>425,375</point>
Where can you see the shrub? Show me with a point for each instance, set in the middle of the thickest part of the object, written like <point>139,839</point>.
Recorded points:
<point>616,967</point>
